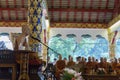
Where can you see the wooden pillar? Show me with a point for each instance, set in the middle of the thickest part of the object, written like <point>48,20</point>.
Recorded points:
<point>35,22</point>
<point>111,38</point>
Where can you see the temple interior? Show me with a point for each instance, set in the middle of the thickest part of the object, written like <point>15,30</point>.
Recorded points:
<point>59,40</point>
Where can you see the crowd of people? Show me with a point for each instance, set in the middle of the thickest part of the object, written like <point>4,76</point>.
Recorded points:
<point>87,66</point>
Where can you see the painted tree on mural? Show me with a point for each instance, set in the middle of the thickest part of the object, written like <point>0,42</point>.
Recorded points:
<point>117,49</point>
<point>85,48</point>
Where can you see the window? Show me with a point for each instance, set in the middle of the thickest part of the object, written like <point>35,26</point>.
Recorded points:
<point>5,42</point>
<point>117,48</point>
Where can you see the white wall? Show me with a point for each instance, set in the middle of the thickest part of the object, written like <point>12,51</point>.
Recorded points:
<point>78,32</point>
<point>10,30</point>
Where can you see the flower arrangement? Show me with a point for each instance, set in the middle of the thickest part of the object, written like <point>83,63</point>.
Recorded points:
<point>70,74</point>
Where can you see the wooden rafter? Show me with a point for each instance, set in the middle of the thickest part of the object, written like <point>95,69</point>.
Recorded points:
<point>80,10</point>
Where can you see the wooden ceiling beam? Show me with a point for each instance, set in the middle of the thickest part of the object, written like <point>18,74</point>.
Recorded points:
<point>100,1</point>
<point>7,4</point>
<point>9,15</point>
<point>22,3</point>
<point>104,18</point>
<point>23,15</point>
<point>91,3</point>
<point>97,17</point>
<point>82,16</point>
<point>15,4</point>
<point>14,20</point>
<point>16,13</point>
<point>18,9</point>
<point>107,3</point>
<point>75,14</point>
<point>1,15</point>
<point>84,2</point>
<point>60,11</point>
<point>80,10</point>
<point>76,2</point>
<point>52,2</point>
<point>67,14</point>
<point>77,22</point>
<point>116,8</point>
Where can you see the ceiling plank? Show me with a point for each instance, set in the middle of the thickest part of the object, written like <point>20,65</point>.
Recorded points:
<point>91,3</point>
<point>107,3</point>
<point>77,22</point>
<point>22,3</point>
<point>82,15</point>
<point>84,2</point>
<point>97,18</point>
<point>67,15</point>
<point>60,11</point>
<point>116,8</point>
<point>23,14</point>
<point>52,2</point>
<point>14,9</point>
<point>7,4</point>
<point>9,18</point>
<point>75,13</point>
<point>16,13</point>
<point>100,2</point>
<point>2,18</point>
<point>80,10</point>
<point>89,19</point>
<point>52,18</point>
<point>104,18</point>
<point>15,4</point>
<point>76,2</point>
<point>14,20</point>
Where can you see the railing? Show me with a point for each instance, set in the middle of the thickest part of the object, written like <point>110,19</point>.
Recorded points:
<point>7,57</point>
<point>101,77</point>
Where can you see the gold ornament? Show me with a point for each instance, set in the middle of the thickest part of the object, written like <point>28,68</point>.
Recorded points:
<point>35,19</point>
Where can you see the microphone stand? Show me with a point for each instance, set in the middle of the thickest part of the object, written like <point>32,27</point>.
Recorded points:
<point>47,49</point>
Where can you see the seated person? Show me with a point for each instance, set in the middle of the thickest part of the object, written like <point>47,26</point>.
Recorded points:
<point>89,66</point>
<point>60,65</point>
<point>70,62</point>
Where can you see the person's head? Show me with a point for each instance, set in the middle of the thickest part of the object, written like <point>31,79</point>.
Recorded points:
<point>93,59</point>
<point>55,59</point>
<point>89,59</point>
<point>78,58</point>
<point>65,59</point>
<point>69,56</point>
<point>25,30</point>
<point>60,57</point>
<point>101,59</point>
<point>48,58</point>
<point>105,59</point>
<point>119,60</point>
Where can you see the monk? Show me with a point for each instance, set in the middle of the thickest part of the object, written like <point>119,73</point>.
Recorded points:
<point>21,42</point>
<point>60,65</point>
<point>70,62</point>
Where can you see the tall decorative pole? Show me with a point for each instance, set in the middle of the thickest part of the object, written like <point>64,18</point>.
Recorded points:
<point>111,37</point>
<point>35,23</point>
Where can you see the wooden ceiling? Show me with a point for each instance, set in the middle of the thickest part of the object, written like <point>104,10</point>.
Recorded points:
<point>64,11</point>
<point>90,11</point>
<point>13,10</point>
